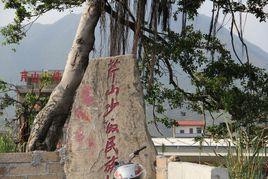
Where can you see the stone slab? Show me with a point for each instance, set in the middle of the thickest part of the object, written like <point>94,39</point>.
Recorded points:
<point>107,122</point>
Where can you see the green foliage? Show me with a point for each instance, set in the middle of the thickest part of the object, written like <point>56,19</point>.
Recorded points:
<point>5,100</point>
<point>28,10</point>
<point>190,7</point>
<point>217,131</point>
<point>13,33</point>
<point>7,144</point>
<point>244,159</point>
<point>26,109</point>
<point>218,82</point>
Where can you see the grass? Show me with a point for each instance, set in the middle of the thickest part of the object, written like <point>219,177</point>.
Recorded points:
<point>244,159</point>
<point>7,144</point>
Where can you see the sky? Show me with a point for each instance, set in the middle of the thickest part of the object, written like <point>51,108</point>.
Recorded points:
<point>6,15</point>
<point>254,32</point>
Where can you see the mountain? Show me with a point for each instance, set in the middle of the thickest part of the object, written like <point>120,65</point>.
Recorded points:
<point>257,56</point>
<point>47,46</point>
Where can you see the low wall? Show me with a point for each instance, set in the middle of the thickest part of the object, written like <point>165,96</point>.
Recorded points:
<point>49,165</point>
<point>166,169</point>
<point>32,165</point>
<point>185,170</point>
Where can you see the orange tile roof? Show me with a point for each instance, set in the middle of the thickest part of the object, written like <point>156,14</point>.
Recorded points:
<point>190,123</point>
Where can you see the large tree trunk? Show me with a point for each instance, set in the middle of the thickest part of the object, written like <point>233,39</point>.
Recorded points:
<point>50,120</point>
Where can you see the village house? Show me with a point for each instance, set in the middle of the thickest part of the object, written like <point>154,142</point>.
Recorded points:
<point>188,128</point>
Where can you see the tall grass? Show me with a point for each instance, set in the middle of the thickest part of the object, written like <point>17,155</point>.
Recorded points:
<point>244,158</point>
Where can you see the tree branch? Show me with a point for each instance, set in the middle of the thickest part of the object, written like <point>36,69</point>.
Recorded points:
<point>131,25</point>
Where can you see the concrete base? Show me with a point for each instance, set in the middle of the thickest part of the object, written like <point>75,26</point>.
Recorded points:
<point>185,170</point>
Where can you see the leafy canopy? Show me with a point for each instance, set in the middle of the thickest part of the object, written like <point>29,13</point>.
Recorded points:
<point>220,82</point>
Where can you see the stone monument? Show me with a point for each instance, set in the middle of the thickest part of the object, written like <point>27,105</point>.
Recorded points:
<point>108,122</point>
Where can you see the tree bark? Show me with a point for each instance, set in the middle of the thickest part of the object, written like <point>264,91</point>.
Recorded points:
<point>50,120</point>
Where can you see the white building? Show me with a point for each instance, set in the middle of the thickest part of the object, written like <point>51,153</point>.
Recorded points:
<point>188,128</point>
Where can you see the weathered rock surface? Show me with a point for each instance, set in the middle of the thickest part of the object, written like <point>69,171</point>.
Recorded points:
<point>108,120</point>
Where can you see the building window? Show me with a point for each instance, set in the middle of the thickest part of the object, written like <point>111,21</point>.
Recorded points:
<point>198,130</point>
<point>191,131</point>
<point>182,131</point>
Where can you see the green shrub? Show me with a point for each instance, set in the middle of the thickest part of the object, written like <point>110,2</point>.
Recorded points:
<point>7,144</point>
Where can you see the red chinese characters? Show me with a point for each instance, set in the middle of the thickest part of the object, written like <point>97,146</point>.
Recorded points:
<point>111,128</point>
<point>35,77</point>
<point>80,114</point>
<point>87,95</point>
<point>24,76</point>
<point>109,165</point>
<point>90,142</point>
<point>38,76</point>
<point>110,145</point>
<point>113,90</point>
<point>79,135</point>
<point>56,76</point>
<point>113,68</point>
<point>110,107</point>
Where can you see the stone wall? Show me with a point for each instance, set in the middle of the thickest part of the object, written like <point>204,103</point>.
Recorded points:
<point>34,165</point>
<point>49,165</point>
